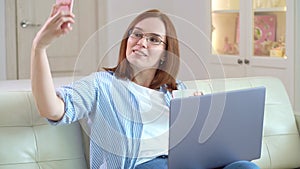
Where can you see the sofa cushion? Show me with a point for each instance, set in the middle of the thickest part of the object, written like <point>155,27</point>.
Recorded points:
<point>28,141</point>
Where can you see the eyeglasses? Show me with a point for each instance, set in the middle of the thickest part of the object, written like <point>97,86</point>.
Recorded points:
<point>151,38</point>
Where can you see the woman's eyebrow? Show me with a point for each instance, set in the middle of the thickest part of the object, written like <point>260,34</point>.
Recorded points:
<point>138,28</point>
<point>155,34</point>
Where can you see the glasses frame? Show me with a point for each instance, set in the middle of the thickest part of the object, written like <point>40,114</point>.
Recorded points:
<point>147,36</point>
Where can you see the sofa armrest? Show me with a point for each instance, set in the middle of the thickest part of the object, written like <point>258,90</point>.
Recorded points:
<point>297,117</point>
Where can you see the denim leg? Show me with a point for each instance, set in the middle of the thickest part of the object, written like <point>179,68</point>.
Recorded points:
<point>161,163</point>
<point>242,165</point>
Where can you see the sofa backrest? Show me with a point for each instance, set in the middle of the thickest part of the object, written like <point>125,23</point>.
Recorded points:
<point>281,144</point>
<point>27,141</point>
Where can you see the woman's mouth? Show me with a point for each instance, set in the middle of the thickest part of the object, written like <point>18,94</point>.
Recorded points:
<point>138,52</point>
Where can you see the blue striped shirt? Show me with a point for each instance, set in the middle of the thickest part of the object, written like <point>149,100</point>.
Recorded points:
<point>109,112</point>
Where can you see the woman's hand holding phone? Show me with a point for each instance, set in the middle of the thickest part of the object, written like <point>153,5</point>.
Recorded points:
<point>59,23</point>
<point>66,6</point>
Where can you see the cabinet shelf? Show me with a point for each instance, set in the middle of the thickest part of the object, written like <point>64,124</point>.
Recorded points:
<point>267,10</point>
<point>225,11</point>
<point>261,10</point>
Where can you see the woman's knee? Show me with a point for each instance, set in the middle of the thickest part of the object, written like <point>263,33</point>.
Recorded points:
<point>242,165</point>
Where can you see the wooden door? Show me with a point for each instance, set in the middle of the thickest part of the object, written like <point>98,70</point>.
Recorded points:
<point>68,55</point>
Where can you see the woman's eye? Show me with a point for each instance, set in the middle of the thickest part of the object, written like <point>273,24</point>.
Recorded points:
<point>154,39</point>
<point>139,35</point>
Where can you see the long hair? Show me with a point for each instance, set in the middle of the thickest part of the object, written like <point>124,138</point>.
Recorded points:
<point>166,73</point>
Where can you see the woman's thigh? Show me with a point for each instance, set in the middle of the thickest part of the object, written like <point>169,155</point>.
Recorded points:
<point>242,165</point>
<point>162,163</point>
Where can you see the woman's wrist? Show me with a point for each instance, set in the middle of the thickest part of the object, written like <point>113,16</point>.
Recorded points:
<point>38,46</point>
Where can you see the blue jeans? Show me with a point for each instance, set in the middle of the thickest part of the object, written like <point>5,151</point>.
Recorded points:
<point>162,163</point>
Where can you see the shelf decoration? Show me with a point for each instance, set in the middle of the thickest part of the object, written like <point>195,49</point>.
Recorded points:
<point>264,34</point>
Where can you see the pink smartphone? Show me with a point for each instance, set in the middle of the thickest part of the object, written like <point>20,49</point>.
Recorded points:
<point>65,8</point>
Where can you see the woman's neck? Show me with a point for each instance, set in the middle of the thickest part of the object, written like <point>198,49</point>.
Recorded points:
<point>144,78</point>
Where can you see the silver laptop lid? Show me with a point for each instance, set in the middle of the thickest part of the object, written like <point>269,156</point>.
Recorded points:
<point>214,130</point>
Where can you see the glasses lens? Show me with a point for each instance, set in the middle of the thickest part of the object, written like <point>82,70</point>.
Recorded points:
<point>136,34</point>
<point>152,39</point>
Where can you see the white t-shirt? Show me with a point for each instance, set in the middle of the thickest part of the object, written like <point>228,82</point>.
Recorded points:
<point>155,119</point>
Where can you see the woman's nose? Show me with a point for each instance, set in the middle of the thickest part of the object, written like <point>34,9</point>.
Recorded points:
<point>143,42</point>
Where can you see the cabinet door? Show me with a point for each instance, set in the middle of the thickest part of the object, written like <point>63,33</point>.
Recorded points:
<point>271,48</point>
<point>225,41</point>
<point>269,29</point>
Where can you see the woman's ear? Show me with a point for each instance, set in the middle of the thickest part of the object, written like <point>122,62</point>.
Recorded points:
<point>162,60</point>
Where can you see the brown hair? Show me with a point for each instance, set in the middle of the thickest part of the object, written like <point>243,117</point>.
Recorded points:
<point>167,71</point>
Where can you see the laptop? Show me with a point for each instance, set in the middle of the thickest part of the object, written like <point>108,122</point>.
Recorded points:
<point>214,130</point>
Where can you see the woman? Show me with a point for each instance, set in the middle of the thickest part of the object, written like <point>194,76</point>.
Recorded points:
<point>125,107</point>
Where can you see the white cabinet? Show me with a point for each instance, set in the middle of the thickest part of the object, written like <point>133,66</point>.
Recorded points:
<point>253,38</point>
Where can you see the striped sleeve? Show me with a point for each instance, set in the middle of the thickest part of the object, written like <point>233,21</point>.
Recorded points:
<point>79,98</point>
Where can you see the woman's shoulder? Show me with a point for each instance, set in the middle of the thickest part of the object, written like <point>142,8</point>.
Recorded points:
<point>106,78</point>
<point>97,78</point>
<point>104,75</point>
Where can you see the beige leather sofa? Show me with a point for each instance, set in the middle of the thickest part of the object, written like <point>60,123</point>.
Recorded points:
<point>28,142</point>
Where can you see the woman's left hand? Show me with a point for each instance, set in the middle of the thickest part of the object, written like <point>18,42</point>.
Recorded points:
<point>198,93</point>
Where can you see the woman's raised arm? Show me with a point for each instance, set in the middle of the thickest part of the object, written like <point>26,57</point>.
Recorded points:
<point>48,103</point>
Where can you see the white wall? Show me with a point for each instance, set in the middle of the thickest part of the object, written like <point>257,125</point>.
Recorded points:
<point>2,41</point>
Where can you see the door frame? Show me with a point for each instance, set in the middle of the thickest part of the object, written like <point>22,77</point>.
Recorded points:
<point>11,40</point>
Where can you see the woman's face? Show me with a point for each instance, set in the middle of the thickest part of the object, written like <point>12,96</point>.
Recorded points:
<point>146,44</point>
